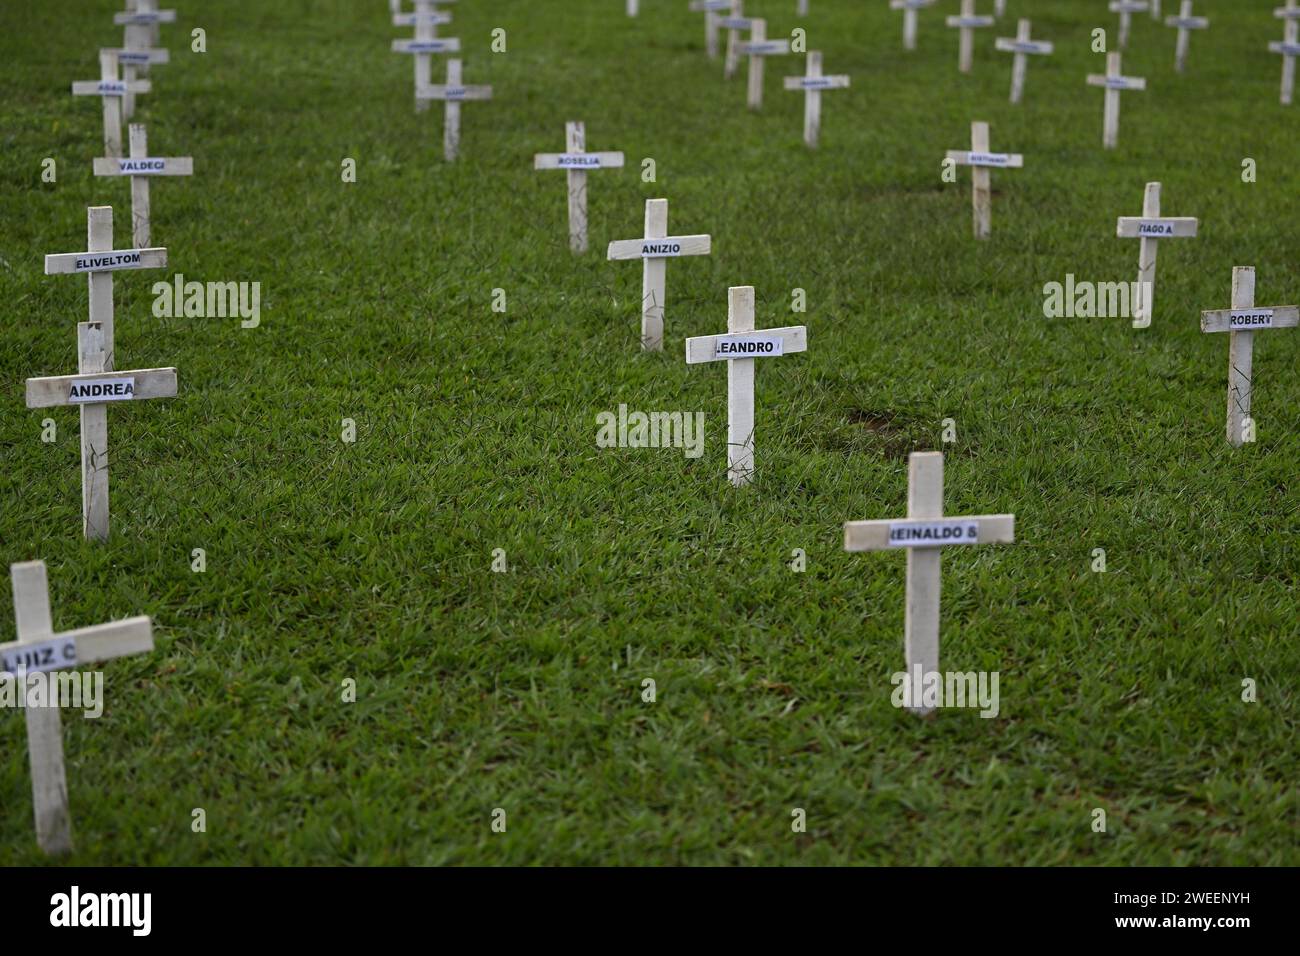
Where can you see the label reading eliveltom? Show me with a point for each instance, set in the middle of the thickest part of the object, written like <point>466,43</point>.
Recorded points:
<point>40,656</point>
<point>989,159</point>
<point>111,88</point>
<point>141,167</point>
<point>578,161</point>
<point>109,260</point>
<point>747,346</point>
<point>1251,319</point>
<point>92,391</point>
<point>915,535</point>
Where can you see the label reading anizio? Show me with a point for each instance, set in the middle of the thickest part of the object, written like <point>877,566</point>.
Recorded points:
<point>57,654</point>
<point>913,535</point>
<point>1251,319</point>
<point>85,391</point>
<point>747,346</point>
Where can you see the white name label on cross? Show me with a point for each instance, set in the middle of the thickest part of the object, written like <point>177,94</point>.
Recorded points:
<point>1185,23</point>
<point>110,89</point>
<point>758,49</point>
<point>426,42</point>
<point>576,161</point>
<point>88,645</point>
<point>710,9</point>
<point>981,160</point>
<point>1023,47</point>
<point>909,8</point>
<point>1113,82</point>
<point>148,17</point>
<point>653,250</point>
<point>925,532</point>
<point>140,166</point>
<point>740,347</point>
<point>734,23</point>
<point>1126,9</point>
<point>1150,227</point>
<point>1289,47</point>
<point>1240,322</point>
<point>966,24</point>
<point>138,51</point>
<point>454,92</point>
<point>812,83</point>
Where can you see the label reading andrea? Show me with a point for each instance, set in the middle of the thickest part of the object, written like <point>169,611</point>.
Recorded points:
<point>40,656</point>
<point>140,167</point>
<point>109,260</point>
<point>579,161</point>
<point>1251,319</point>
<point>97,390</point>
<point>911,534</point>
<point>747,346</point>
<point>989,159</point>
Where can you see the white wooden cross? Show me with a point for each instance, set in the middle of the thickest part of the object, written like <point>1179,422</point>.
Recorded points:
<point>734,23</point>
<point>111,90</point>
<point>1185,23</point>
<point>145,12</point>
<point>801,8</point>
<point>141,167</point>
<point>425,19</point>
<point>133,60</point>
<point>811,84</point>
<point>40,650</point>
<point>909,8</point>
<point>739,348</point>
<point>1240,322</point>
<point>654,251</point>
<point>711,9</point>
<point>577,162</point>
<point>924,533</point>
<point>981,160</point>
<point>1155,9</point>
<point>1150,228</point>
<point>1022,47</point>
<point>1289,47</point>
<point>138,34</point>
<point>1114,82</point>
<point>454,92</point>
<point>758,48</point>
<point>967,23</point>
<point>1126,9</point>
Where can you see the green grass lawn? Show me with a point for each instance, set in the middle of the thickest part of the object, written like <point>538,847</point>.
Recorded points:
<point>476,431</point>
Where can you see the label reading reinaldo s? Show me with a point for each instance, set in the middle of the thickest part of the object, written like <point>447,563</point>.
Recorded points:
<point>911,534</point>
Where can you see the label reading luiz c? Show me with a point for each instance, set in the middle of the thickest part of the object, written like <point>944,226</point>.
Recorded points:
<point>747,346</point>
<point>913,535</point>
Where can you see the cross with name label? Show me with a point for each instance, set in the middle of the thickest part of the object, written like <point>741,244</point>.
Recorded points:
<point>577,162</point>
<point>39,650</point>
<point>1151,227</point>
<point>924,533</point>
<point>654,251</point>
<point>812,83</point>
<point>1241,322</point>
<point>133,60</point>
<point>1185,23</point>
<point>426,20</point>
<point>734,23</point>
<point>1126,9</point>
<point>711,9</point>
<point>1022,47</point>
<point>1114,81</point>
<point>1289,47</point>
<point>454,92</point>
<point>110,89</point>
<point>758,48</point>
<point>910,8</point>
<point>981,160</point>
<point>140,166</point>
<point>739,348</point>
<point>139,30</point>
<point>99,263</point>
<point>966,24</point>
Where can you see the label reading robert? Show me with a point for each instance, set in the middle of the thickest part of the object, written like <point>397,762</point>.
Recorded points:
<point>40,656</point>
<point>748,346</point>
<point>913,535</point>
<point>1251,319</point>
<point>579,161</point>
<point>102,390</point>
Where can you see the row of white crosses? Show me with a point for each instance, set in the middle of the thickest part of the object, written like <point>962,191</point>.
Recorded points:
<point>1289,47</point>
<point>38,649</point>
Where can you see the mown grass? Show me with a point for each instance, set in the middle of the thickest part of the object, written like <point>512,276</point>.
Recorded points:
<point>476,431</point>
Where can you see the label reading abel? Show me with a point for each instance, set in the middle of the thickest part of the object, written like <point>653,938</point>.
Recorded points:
<point>913,535</point>
<point>747,346</point>
<point>56,654</point>
<point>817,83</point>
<point>579,161</point>
<point>111,88</point>
<point>1251,319</point>
<point>140,167</point>
<point>1155,227</point>
<point>102,390</point>
<point>989,159</point>
<point>109,260</point>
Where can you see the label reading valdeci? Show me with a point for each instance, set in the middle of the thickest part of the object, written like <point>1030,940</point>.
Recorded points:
<point>912,534</point>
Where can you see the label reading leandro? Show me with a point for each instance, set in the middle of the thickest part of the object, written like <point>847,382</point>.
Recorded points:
<point>102,390</point>
<point>913,535</point>
<point>748,346</point>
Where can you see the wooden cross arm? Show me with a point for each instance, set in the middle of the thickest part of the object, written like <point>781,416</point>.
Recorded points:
<point>1128,6</point>
<point>736,23</point>
<point>966,157</point>
<point>667,247</point>
<point>700,6</point>
<point>110,87</point>
<point>612,160</point>
<point>64,263</point>
<point>837,82</point>
<point>440,45</point>
<point>910,4</point>
<point>970,22</point>
<point>1287,13</point>
<point>58,389</point>
<point>99,642</point>
<point>1242,320</point>
<point>703,348</point>
<point>131,56</point>
<point>765,48</point>
<point>1117,82</point>
<point>441,91</point>
<point>1286,49</point>
<point>1157,227</point>
<point>152,166</point>
<point>1012,45</point>
<point>435,17</point>
<point>1188,23</point>
<point>976,529</point>
<point>152,16</point>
